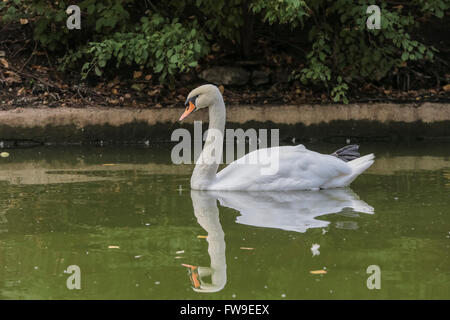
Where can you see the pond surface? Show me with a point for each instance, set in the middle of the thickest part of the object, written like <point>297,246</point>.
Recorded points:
<point>128,219</point>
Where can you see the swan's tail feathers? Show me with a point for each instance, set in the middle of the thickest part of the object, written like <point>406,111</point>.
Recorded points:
<point>359,166</point>
<point>347,153</point>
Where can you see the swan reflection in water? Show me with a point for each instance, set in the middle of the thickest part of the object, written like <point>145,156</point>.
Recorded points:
<point>291,211</point>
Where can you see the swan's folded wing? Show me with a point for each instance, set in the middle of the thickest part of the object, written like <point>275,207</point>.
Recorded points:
<point>280,168</point>
<point>317,165</point>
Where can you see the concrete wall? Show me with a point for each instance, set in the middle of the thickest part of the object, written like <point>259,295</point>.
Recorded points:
<point>303,122</point>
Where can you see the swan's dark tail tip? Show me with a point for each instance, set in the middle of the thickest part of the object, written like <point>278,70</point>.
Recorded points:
<point>347,153</point>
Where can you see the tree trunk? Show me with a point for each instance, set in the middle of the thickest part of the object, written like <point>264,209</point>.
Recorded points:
<point>247,30</point>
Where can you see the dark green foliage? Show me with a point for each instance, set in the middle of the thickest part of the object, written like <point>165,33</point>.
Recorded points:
<point>172,36</point>
<point>345,51</point>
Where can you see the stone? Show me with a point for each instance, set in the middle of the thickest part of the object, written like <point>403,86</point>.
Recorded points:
<point>233,76</point>
<point>280,76</point>
<point>260,77</point>
<point>188,77</point>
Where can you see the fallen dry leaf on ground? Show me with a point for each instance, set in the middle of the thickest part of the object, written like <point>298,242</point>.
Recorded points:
<point>138,86</point>
<point>4,62</point>
<point>12,77</point>
<point>153,92</point>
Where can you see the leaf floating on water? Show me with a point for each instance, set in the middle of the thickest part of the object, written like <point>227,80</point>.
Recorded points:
<point>4,154</point>
<point>318,272</point>
<point>247,248</point>
<point>202,237</point>
<point>113,247</point>
<point>315,249</point>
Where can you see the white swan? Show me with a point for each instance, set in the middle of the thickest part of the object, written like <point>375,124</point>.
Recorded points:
<point>297,167</point>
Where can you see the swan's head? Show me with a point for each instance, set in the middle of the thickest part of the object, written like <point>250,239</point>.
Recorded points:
<point>201,97</point>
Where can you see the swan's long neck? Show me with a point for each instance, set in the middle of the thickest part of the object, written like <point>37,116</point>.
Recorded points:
<point>211,156</point>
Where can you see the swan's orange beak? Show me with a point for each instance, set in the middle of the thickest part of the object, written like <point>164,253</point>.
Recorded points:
<point>188,111</point>
<point>193,275</point>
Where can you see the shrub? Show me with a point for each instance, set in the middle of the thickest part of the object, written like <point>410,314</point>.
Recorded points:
<point>345,51</point>
<point>172,36</point>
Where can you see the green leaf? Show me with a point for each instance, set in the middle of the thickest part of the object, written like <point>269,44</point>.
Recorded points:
<point>159,67</point>
<point>91,8</point>
<point>98,72</point>
<point>405,56</point>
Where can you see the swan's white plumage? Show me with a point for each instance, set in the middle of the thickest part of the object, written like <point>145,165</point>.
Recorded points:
<point>297,168</point>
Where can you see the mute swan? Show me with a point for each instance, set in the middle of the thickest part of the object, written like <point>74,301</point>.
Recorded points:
<point>297,167</point>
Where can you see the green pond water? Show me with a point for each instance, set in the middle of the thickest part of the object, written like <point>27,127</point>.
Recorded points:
<point>128,219</point>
